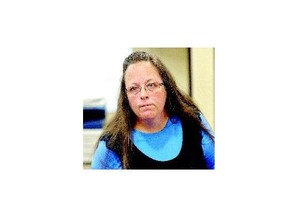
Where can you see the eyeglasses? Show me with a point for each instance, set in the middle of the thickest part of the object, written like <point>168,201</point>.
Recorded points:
<point>151,87</point>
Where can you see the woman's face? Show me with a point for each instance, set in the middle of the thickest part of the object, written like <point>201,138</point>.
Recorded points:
<point>146,98</point>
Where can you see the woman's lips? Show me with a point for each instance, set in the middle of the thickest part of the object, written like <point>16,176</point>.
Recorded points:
<point>144,106</point>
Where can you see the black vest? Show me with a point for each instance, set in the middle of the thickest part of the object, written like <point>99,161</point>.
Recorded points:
<point>190,157</point>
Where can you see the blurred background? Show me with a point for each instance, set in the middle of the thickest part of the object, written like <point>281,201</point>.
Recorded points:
<point>192,68</point>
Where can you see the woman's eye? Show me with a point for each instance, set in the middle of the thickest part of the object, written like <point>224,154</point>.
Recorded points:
<point>151,85</point>
<point>132,89</point>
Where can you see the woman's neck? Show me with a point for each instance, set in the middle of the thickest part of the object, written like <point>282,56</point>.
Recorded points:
<point>152,125</point>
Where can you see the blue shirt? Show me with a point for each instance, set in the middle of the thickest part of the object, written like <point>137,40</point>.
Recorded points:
<point>169,143</point>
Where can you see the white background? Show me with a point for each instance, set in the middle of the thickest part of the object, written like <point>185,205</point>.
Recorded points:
<point>48,49</point>
<point>102,80</point>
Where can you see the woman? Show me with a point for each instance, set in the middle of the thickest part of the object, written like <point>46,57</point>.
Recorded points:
<point>156,125</point>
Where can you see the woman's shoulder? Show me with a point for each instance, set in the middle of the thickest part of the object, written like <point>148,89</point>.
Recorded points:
<point>206,124</point>
<point>105,158</point>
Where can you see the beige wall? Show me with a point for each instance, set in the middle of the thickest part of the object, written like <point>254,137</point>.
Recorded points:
<point>202,61</point>
<point>176,60</point>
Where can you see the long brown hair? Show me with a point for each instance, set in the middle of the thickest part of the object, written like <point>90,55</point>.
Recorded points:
<point>178,103</point>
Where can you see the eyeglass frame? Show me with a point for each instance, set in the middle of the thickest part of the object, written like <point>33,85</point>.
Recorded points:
<point>146,87</point>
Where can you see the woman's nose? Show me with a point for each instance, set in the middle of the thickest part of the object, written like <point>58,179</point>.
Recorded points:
<point>143,93</point>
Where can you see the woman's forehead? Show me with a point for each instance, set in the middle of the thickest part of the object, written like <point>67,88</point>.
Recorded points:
<point>141,72</point>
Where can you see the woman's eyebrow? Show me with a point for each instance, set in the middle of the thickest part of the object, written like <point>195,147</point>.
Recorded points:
<point>144,82</point>
<point>148,80</point>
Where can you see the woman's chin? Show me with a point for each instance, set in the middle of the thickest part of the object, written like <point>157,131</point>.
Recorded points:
<point>147,116</point>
